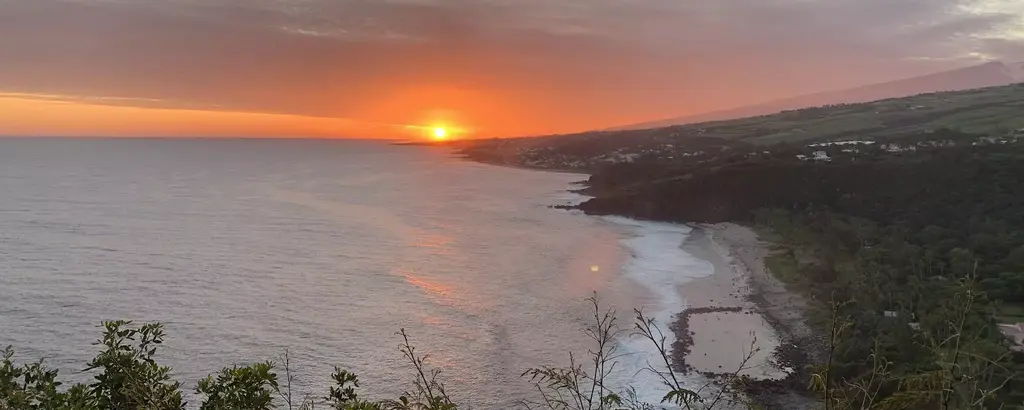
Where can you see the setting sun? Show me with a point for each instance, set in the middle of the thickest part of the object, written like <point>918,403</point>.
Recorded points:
<point>440,133</point>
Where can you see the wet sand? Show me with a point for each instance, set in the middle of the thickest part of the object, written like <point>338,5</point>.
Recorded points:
<point>742,278</point>
<point>722,324</point>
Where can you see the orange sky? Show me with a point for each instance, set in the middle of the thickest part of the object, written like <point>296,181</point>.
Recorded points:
<point>394,68</point>
<point>28,116</point>
<point>411,114</point>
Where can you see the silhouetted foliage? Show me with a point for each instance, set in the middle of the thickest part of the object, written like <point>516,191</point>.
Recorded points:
<point>130,378</point>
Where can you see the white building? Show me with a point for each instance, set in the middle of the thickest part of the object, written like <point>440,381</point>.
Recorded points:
<point>1015,332</point>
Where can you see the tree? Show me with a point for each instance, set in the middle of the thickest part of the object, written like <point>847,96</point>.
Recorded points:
<point>129,377</point>
<point>250,387</point>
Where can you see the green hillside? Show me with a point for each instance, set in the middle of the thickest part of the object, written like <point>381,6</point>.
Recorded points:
<point>987,111</point>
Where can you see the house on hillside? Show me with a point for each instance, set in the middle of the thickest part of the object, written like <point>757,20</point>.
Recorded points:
<point>988,140</point>
<point>898,148</point>
<point>1015,332</point>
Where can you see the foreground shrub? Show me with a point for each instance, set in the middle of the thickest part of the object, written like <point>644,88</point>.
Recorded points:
<point>127,377</point>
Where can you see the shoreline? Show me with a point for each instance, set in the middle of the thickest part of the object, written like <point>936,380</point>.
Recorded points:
<point>721,328</point>
<point>742,291</point>
<point>583,172</point>
<point>745,278</point>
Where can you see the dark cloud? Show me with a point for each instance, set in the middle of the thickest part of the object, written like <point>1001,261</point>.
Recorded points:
<point>579,60</point>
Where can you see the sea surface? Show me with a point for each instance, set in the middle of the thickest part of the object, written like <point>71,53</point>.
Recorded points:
<point>246,249</point>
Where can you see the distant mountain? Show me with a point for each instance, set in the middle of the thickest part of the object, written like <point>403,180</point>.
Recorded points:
<point>1016,70</point>
<point>979,76</point>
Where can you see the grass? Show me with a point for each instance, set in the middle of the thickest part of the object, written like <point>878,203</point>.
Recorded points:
<point>783,266</point>
<point>991,111</point>
<point>982,111</point>
<point>782,263</point>
<point>1011,313</point>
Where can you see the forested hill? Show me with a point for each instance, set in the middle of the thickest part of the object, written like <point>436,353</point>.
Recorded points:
<point>952,178</point>
<point>952,201</point>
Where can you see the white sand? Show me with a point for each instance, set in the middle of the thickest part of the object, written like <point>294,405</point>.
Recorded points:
<point>722,340</point>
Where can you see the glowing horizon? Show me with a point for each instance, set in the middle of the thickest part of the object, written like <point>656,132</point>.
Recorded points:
<point>59,116</point>
<point>439,133</point>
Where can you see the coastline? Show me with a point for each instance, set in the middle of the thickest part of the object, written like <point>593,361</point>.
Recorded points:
<point>740,306</point>
<point>458,153</point>
<point>721,326</point>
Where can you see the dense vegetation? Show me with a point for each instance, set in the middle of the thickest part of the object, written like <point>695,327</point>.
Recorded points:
<point>951,205</point>
<point>894,229</point>
<point>127,377</point>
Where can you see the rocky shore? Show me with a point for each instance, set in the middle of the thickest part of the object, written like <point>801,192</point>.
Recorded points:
<point>743,305</point>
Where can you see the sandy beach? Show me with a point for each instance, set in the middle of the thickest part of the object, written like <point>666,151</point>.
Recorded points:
<point>722,323</point>
<point>739,302</point>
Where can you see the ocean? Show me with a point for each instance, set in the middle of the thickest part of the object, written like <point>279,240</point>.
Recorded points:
<point>247,249</point>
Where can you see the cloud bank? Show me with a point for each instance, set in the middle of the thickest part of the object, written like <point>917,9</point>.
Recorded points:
<point>498,66</point>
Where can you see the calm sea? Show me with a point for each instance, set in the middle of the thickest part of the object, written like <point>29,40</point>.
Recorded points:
<point>245,249</point>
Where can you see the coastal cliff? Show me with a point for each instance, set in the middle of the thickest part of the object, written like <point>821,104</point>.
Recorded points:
<point>884,187</point>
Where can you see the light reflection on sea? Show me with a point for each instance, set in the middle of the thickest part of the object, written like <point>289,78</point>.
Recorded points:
<point>245,249</point>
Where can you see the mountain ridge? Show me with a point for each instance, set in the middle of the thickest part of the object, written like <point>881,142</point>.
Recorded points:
<point>983,75</point>
<point>1016,70</point>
